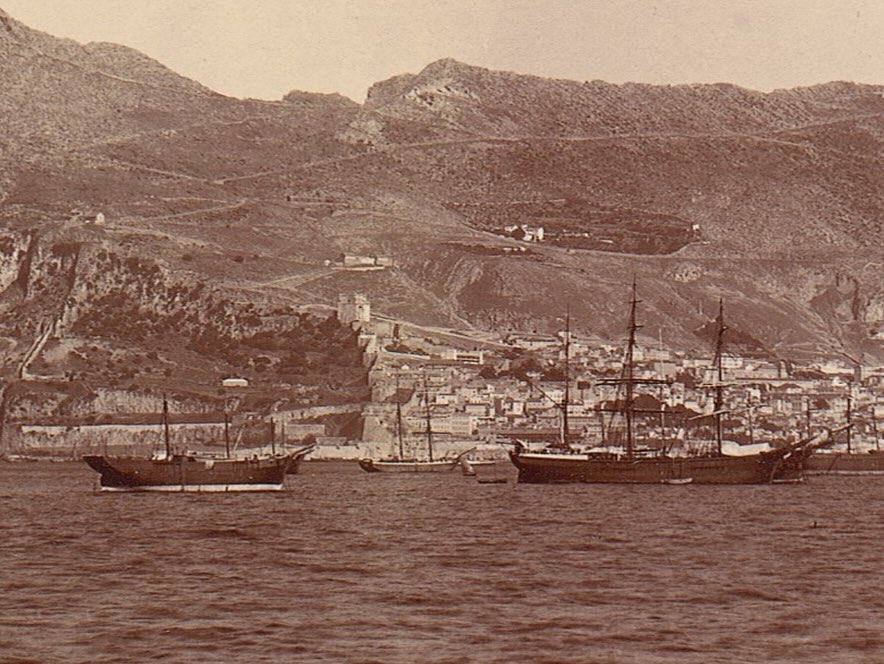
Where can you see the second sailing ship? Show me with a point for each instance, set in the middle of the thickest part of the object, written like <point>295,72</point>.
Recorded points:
<point>630,465</point>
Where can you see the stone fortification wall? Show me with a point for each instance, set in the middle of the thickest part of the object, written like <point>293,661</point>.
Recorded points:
<point>74,441</point>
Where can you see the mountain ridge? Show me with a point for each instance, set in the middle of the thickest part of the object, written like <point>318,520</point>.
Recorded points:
<point>774,201</point>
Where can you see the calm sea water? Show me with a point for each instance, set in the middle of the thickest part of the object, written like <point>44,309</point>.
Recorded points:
<point>351,567</point>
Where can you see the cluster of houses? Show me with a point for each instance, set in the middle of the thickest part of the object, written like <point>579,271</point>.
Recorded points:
<point>467,392</point>
<point>480,394</point>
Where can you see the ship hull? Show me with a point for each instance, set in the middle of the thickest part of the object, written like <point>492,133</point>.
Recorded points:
<point>193,488</point>
<point>393,466</point>
<point>833,463</point>
<point>190,473</point>
<point>572,468</point>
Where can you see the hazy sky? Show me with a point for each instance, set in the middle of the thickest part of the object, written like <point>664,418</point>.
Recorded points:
<point>265,48</point>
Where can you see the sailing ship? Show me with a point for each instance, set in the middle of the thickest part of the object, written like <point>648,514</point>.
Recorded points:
<point>403,464</point>
<point>173,471</point>
<point>563,463</point>
<point>851,461</point>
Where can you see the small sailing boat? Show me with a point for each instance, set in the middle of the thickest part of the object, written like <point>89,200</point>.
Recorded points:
<point>403,464</point>
<point>195,471</point>
<point>563,463</point>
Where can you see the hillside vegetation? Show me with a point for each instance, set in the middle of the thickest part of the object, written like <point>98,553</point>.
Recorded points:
<point>772,201</point>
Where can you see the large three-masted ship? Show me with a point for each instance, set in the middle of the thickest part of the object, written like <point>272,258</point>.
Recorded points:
<point>562,462</point>
<point>172,471</point>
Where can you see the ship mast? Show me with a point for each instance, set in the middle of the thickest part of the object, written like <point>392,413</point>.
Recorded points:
<point>227,433</point>
<point>849,415</point>
<point>629,375</point>
<point>719,369</point>
<point>626,406</point>
<point>429,427</point>
<point>399,420</point>
<point>751,423</point>
<point>807,414</point>
<point>166,427</point>
<point>566,400</point>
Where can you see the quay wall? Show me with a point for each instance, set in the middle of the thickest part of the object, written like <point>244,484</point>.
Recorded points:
<point>74,441</point>
<point>71,442</point>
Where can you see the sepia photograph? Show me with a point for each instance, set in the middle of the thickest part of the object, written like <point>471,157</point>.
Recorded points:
<point>407,331</point>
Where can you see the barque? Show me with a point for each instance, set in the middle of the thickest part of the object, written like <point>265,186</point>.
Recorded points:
<point>605,463</point>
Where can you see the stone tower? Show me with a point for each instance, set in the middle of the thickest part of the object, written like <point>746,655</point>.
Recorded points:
<point>354,308</point>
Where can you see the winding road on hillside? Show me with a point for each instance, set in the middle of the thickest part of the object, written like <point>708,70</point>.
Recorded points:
<point>393,147</point>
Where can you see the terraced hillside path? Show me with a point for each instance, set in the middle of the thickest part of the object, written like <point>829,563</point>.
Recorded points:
<point>510,140</point>
<point>295,280</point>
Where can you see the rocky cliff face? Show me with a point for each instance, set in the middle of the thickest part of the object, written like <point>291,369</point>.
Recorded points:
<point>506,104</point>
<point>222,211</point>
<point>13,251</point>
<point>95,328</point>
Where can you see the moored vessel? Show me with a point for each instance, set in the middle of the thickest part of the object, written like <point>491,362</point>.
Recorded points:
<point>192,472</point>
<point>407,465</point>
<point>468,466</point>
<point>198,472</point>
<point>403,464</point>
<point>627,464</point>
<point>539,467</point>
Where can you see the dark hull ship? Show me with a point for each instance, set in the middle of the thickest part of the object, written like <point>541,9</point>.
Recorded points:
<point>761,468</point>
<point>563,464</point>
<point>195,471</point>
<point>822,461</point>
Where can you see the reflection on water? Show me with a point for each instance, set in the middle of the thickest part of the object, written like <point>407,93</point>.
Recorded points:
<point>352,567</point>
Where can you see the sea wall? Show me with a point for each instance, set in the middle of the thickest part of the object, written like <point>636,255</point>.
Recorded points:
<point>74,441</point>
<point>71,442</point>
<point>355,450</point>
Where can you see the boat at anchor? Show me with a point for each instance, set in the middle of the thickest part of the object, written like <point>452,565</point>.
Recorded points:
<point>604,462</point>
<point>199,472</point>
<point>403,464</point>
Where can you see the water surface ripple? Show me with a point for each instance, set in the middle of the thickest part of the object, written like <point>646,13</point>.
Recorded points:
<point>351,567</point>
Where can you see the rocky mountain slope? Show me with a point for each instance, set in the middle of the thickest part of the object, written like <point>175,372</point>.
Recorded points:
<point>774,202</point>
